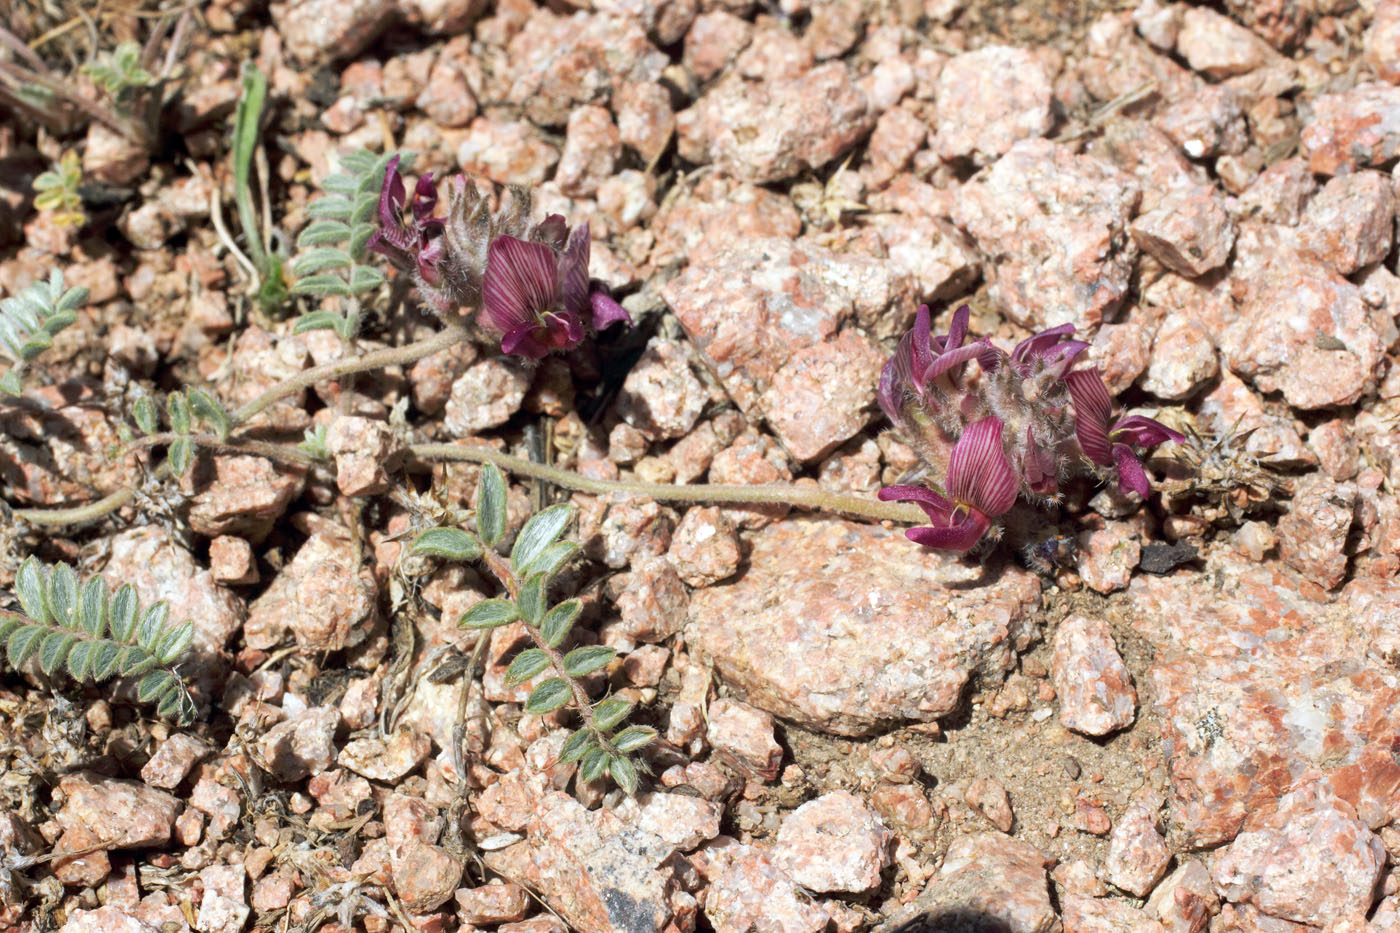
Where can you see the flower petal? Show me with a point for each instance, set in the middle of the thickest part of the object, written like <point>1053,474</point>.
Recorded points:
<point>1041,343</point>
<point>1141,431</point>
<point>918,343</point>
<point>957,329</point>
<point>573,271</point>
<point>424,198</point>
<point>938,509</point>
<point>1131,476</point>
<point>959,537</point>
<point>1092,408</point>
<point>606,311</point>
<point>978,472</point>
<point>951,361</point>
<point>391,195</point>
<point>520,284</point>
<point>522,342</point>
<point>1039,467</point>
<point>891,391</point>
<point>553,231</point>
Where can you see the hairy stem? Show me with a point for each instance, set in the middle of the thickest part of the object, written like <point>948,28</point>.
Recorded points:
<point>77,515</point>
<point>799,496</point>
<point>378,359</point>
<point>233,445</point>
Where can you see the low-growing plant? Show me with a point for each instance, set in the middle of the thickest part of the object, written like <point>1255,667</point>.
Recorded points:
<point>58,191</point>
<point>30,320</point>
<point>95,635</point>
<point>266,259</point>
<point>603,745</point>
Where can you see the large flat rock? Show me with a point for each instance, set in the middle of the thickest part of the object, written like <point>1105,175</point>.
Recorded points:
<point>849,628</point>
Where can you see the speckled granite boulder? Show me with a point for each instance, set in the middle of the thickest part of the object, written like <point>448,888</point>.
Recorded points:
<point>871,630</point>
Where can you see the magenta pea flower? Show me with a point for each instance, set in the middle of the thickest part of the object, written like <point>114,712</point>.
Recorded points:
<point>537,295</point>
<point>1052,349</point>
<point>925,365</point>
<point>412,240</point>
<point>1112,445</point>
<point>981,486</point>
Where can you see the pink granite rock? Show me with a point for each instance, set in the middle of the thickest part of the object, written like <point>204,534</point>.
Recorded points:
<point>1337,449</point>
<point>714,39</point>
<point>645,120</point>
<point>117,813</point>
<point>592,147</point>
<point>749,891</point>
<point>1234,410</point>
<point>1251,695</point>
<point>1382,41</point>
<point>559,62</point>
<point>746,329</point>
<point>1185,900</point>
<point>990,876</point>
<point>1304,331</point>
<point>231,560</point>
<point>651,600</point>
<point>173,761</point>
<point>243,496</point>
<point>1183,359</point>
<point>323,597</point>
<point>1219,47</point>
<point>1308,859</point>
<point>302,745</point>
<point>1138,856</point>
<point>611,869</point>
<point>980,117</point>
<point>1208,123</point>
<point>717,214</point>
<point>506,152</point>
<point>1353,128</point>
<point>1280,193</point>
<point>485,396</point>
<point>834,843</point>
<point>1051,225</point>
<point>898,134</point>
<point>823,394</point>
<point>1121,352</point>
<point>1188,232</point>
<point>1096,694</point>
<point>743,737</point>
<point>932,252</point>
<point>495,902</point>
<point>661,397</point>
<point>768,131</point>
<point>1350,223</point>
<point>1081,914</point>
<point>988,797</point>
<point>365,452</point>
<point>1108,556</point>
<point>1312,535</point>
<point>161,568</point>
<point>320,30</point>
<point>705,548</point>
<point>863,669</point>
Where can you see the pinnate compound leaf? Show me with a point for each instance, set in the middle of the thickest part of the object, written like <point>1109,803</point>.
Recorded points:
<point>633,738</point>
<point>548,696</point>
<point>489,613</point>
<point>526,665</point>
<point>558,621</point>
<point>531,599</point>
<point>317,320</point>
<point>80,659</point>
<point>450,543</point>
<point>30,584</point>
<point>332,207</point>
<point>104,663</point>
<point>62,594</point>
<point>207,409</point>
<point>624,772</point>
<point>491,505</point>
<point>175,643</point>
<point>323,232</point>
<point>178,408</point>
<point>143,412</point>
<point>610,712</point>
<point>121,613</point>
<point>593,766</point>
<point>180,455</point>
<point>152,626</point>
<point>324,283</point>
<point>8,623</point>
<point>540,532</point>
<point>583,661</point>
<point>135,660</point>
<point>577,745</point>
<point>551,558</point>
<point>154,685</point>
<point>54,651</point>
<point>24,641</point>
<point>365,278</point>
<point>92,608</point>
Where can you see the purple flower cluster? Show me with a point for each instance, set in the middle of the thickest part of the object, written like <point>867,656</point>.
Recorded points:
<point>530,281</point>
<point>1012,424</point>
